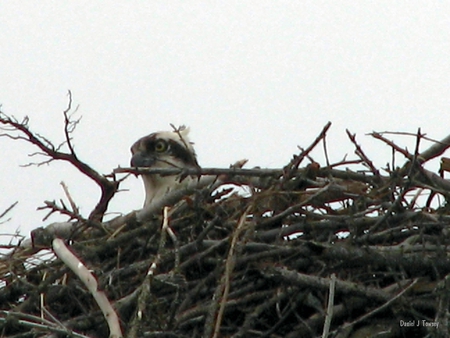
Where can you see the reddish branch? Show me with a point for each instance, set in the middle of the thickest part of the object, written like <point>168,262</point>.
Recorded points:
<point>108,187</point>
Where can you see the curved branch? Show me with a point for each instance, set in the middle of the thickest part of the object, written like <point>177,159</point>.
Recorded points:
<point>61,250</point>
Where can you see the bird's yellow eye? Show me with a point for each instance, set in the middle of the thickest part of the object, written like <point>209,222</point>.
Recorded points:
<point>160,146</point>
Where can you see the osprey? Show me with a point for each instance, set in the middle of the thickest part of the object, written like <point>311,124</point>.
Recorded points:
<point>163,149</point>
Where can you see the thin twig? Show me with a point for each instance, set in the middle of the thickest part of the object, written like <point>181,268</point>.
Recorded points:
<point>8,209</point>
<point>402,151</point>
<point>229,266</point>
<point>293,165</point>
<point>362,155</point>
<point>380,308</point>
<point>69,197</point>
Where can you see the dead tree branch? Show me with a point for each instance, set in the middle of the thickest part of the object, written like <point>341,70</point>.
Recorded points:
<point>21,131</point>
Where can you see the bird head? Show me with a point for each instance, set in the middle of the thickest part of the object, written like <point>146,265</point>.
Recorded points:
<point>164,149</point>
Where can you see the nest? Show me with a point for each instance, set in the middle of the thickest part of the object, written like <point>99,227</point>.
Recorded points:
<point>299,252</point>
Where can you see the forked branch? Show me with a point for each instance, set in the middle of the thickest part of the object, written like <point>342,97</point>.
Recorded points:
<point>20,130</point>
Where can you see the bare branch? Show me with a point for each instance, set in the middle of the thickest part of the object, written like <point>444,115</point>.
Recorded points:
<point>61,250</point>
<point>8,209</point>
<point>108,187</point>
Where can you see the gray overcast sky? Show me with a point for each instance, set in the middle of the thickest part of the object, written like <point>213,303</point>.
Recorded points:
<point>253,79</point>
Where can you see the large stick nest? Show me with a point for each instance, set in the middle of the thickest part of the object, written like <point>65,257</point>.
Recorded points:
<point>300,252</point>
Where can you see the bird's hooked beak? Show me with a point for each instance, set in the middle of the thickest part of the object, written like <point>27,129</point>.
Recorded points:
<point>140,159</point>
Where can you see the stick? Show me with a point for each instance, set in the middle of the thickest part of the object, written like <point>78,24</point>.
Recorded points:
<point>63,252</point>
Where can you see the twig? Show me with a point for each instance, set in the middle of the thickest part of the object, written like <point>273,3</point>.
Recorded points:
<point>296,207</point>
<point>342,287</point>
<point>69,197</point>
<point>437,149</point>
<point>69,126</point>
<point>229,266</point>
<point>392,145</point>
<point>325,151</point>
<point>145,288</point>
<point>293,165</point>
<point>380,308</point>
<point>32,321</point>
<point>8,209</point>
<point>362,155</point>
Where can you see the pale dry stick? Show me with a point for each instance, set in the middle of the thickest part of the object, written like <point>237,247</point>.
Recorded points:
<point>69,197</point>
<point>174,239</point>
<point>165,226</point>
<point>71,261</point>
<point>178,132</point>
<point>326,325</point>
<point>41,297</point>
